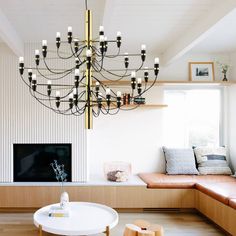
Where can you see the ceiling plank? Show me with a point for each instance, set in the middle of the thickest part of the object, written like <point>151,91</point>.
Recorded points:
<point>198,32</point>
<point>9,35</point>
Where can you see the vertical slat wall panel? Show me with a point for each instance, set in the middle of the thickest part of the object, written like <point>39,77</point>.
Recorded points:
<point>24,120</point>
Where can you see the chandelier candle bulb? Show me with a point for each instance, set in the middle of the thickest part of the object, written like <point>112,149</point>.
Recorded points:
<point>58,94</point>
<point>157,60</point>
<point>108,91</point>
<point>34,77</point>
<point>30,75</point>
<point>44,42</point>
<point>139,81</point>
<point>74,91</point>
<point>133,74</point>
<point>69,29</point>
<point>101,30</point>
<point>58,35</point>
<point>76,72</point>
<point>71,96</point>
<point>118,93</point>
<point>143,47</point>
<point>88,53</point>
<point>21,59</point>
<point>49,82</point>
<point>101,38</point>
<point>36,52</point>
<point>118,34</point>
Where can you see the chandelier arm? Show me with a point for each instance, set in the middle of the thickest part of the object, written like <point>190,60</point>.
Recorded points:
<point>33,95</point>
<point>63,72</point>
<point>31,88</point>
<point>49,78</point>
<point>153,83</point>
<point>120,76</point>
<point>116,112</point>
<point>113,56</point>
<point>64,58</point>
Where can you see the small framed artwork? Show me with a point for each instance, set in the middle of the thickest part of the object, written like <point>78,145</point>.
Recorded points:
<point>201,71</point>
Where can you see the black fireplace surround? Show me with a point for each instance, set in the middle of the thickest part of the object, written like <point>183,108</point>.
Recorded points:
<point>31,162</point>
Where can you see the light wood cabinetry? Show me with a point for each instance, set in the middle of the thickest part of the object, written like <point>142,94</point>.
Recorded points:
<point>114,196</point>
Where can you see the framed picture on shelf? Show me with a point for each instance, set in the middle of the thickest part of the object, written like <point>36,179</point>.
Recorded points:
<point>201,71</point>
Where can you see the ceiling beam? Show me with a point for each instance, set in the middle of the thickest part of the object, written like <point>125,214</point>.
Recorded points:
<point>9,35</point>
<point>198,31</point>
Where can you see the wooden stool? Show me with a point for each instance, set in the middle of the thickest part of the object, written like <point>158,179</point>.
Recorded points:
<point>143,224</point>
<point>131,230</point>
<point>157,229</point>
<point>146,233</point>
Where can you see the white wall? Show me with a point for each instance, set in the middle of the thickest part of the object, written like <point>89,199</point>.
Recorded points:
<point>136,136</point>
<point>232,112</point>
<point>24,120</point>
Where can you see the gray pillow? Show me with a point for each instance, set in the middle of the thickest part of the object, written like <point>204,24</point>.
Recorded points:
<point>180,161</point>
<point>212,160</point>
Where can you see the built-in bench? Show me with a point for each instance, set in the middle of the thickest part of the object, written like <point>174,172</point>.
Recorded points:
<point>215,195</point>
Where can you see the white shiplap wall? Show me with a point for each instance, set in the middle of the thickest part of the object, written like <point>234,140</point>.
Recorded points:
<point>24,120</point>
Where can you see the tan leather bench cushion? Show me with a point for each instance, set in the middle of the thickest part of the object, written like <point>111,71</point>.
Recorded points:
<point>232,202</point>
<point>219,191</point>
<point>213,178</point>
<point>155,180</point>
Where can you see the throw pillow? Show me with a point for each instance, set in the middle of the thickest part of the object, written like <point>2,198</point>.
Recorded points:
<point>180,161</point>
<point>212,160</point>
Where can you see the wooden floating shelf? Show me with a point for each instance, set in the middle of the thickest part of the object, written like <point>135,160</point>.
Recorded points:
<point>146,106</point>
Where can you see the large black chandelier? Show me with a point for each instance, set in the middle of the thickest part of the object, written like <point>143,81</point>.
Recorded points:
<point>88,86</point>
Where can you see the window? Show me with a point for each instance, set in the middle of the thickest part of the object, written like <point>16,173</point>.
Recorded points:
<point>192,117</point>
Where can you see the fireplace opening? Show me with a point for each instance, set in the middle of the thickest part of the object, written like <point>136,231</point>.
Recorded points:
<point>31,162</point>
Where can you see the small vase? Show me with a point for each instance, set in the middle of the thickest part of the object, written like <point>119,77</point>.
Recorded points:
<point>64,200</point>
<point>225,78</point>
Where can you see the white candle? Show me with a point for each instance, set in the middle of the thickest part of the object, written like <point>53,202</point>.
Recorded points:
<point>101,38</point>
<point>49,82</point>
<point>118,93</point>
<point>71,95</point>
<point>108,91</point>
<point>58,35</point>
<point>97,83</point>
<point>58,93</point>
<point>44,42</point>
<point>74,91</point>
<point>34,77</point>
<point>100,95</point>
<point>157,60</point>
<point>139,80</point>
<point>37,52</point>
<point>76,72</point>
<point>118,34</point>
<point>21,59</point>
<point>105,38</point>
<point>133,74</point>
<point>69,29</point>
<point>101,28</point>
<point>29,70</point>
<point>88,53</point>
<point>143,47</point>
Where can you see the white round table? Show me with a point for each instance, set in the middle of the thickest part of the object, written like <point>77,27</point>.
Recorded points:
<point>85,219</point>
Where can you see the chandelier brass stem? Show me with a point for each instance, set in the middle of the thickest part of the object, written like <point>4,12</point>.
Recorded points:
<point>88,109</point>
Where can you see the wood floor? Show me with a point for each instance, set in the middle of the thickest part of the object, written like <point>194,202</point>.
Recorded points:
<point>175,224</point>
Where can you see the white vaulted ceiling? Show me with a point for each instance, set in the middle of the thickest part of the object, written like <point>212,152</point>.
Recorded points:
<point>165,26</point>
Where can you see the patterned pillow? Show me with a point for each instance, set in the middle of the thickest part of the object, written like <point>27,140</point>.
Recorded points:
<point>180,161</point>
<point>212,161</point>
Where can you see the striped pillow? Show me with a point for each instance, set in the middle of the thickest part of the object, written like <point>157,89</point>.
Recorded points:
<point>212,161</point>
